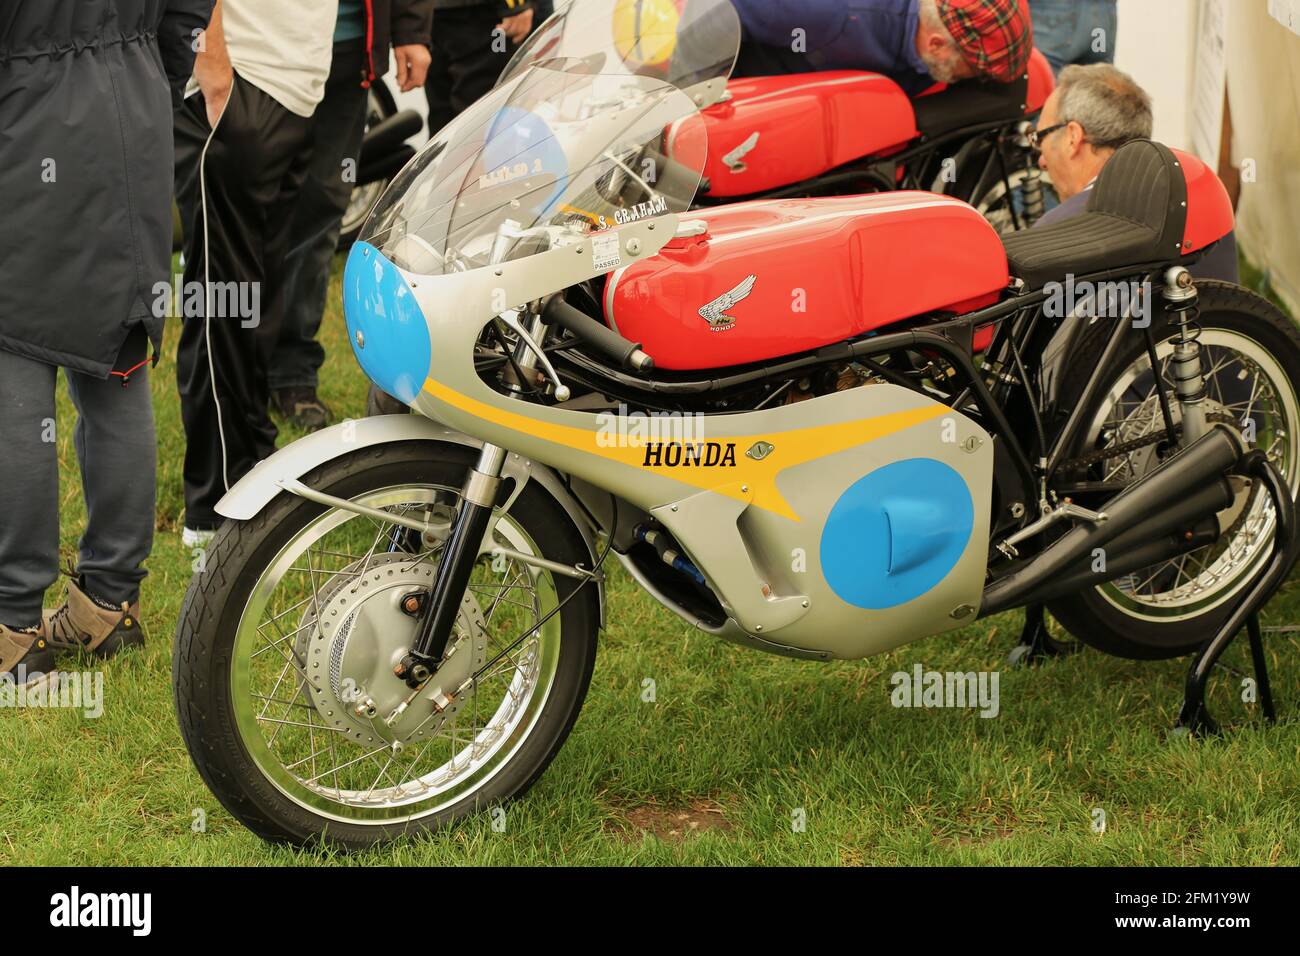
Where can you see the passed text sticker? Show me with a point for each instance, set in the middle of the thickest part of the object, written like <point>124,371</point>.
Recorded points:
<point>604,251</point>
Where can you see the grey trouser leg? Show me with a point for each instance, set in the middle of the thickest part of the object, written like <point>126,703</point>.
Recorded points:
<point>114,439</point>
<point>117,449</point>
<point>29,479</point>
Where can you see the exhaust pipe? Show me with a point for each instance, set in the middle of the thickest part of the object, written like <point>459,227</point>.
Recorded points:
<point>1180,493</point>
<point>1122,561</point>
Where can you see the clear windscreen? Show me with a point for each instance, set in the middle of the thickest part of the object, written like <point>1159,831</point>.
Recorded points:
<point>681,42</point>
<point>543,159</point>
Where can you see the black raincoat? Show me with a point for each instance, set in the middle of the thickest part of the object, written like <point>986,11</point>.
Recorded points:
<point>86,95</point>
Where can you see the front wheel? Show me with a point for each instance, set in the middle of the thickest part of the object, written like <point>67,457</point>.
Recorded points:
<point>1250,355</point>
<point>284,655</point>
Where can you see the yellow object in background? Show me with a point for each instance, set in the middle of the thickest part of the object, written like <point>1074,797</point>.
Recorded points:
<point>645,31</point>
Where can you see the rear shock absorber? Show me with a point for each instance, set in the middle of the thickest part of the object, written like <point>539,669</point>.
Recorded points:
<point>1031,186</point>
<point>1031,192</point>
<point>1181,302</point>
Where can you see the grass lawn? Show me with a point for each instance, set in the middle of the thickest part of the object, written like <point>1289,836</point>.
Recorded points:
<point>735,746</point>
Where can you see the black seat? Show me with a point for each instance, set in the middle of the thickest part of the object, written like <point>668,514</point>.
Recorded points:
<point>1135,215</point>
<point>969,104</point>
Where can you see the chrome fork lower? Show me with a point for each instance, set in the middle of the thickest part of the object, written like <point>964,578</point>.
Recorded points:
<point>459,555</point>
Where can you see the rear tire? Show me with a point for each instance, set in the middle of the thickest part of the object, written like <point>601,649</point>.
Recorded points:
<point>1177,621</point>
<point>214,656</point>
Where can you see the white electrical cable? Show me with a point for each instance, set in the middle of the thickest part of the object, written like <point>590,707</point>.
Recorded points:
<point>207,289</point>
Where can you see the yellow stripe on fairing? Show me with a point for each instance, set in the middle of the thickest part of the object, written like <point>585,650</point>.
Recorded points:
<point>794,447</point>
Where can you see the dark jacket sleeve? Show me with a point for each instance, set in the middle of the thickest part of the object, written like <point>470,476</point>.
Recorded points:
<point>176,35</point>
<point>508,8</point>
<point>412,22</point>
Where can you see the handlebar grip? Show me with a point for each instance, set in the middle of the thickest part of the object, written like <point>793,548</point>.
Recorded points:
<point>599,336</point>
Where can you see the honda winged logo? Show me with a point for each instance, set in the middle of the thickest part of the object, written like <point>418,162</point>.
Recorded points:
<point>735,160</point>
<point>715,313</point>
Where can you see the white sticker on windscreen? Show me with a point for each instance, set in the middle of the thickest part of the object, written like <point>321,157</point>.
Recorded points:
<point>604,251</point>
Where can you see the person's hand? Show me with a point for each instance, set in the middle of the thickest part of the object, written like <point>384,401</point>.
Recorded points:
<point>215,76</point>
<point>518,26</point>
<point>412,61</point>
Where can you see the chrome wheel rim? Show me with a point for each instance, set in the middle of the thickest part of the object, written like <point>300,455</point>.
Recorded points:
<point>360,203</point>
<point>1243,382</point>
<point>305,755</point>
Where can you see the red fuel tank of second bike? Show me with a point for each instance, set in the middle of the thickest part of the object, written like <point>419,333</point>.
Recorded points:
<point>775,277</point>
<point>778,130</point>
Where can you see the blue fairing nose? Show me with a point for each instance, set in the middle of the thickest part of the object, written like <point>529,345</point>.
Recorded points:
<point>386,327</point>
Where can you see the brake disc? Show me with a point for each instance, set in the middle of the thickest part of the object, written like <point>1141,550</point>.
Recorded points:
<point>349,647</point>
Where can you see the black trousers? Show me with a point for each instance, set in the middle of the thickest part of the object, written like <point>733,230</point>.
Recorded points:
<point>253,170</point>
<point>466,60</point>
<point>337,128</point>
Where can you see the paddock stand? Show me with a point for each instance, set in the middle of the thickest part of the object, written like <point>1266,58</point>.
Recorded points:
<point>1194,719</point>
<point>1036,643</point>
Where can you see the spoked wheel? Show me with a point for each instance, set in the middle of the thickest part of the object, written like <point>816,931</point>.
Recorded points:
<point>1251,355</point>
<point>285,651</point>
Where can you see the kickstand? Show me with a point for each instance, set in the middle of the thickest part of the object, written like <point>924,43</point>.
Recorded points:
<point>1036,642</point>
<point>1194,718</point>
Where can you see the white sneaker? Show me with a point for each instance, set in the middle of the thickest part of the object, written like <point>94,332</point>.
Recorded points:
<point>194,538</point>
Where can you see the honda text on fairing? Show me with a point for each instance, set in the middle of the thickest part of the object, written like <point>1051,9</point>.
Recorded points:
<point>826,133</point>
<point>818,427</point>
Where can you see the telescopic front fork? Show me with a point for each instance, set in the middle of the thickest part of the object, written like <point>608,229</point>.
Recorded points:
<point>455,567</point>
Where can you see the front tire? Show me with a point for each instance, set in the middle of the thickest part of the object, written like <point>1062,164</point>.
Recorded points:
<point>1253,352</point>
<point>284,744</point>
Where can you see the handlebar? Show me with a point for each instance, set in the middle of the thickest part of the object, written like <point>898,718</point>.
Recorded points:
<point>600,337</point>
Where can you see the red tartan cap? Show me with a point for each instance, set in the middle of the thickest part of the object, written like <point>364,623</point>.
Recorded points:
<point>995,36</point>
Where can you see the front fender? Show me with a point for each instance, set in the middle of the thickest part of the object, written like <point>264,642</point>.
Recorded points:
<point>255,490</point>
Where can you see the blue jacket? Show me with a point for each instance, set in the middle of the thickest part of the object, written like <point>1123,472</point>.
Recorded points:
<point>876,35</point>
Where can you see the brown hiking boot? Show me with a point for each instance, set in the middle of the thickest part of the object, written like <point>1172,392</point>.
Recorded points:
<point>301,407</point>
<point>82,623</point>
<point>26,657</point>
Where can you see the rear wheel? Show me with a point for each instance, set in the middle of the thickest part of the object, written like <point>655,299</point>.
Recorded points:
<point>1251,354</point>
<point>287,640</point>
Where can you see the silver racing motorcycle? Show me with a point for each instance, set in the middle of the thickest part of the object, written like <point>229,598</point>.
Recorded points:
<point>821,428</point>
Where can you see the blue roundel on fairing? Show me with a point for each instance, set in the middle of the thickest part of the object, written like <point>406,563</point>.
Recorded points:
<point>896,533</point>
<point>377,302</point>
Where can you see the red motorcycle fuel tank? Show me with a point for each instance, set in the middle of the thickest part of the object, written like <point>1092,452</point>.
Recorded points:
<point>778,130</point>
<point>774,277</point>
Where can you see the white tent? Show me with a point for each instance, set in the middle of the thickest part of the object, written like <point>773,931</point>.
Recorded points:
<point>1182,51</point>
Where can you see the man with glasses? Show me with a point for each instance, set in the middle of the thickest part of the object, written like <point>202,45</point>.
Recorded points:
<point>1093,111</point>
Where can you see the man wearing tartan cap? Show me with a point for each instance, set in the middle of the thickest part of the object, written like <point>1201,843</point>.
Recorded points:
<point>915,42</point>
